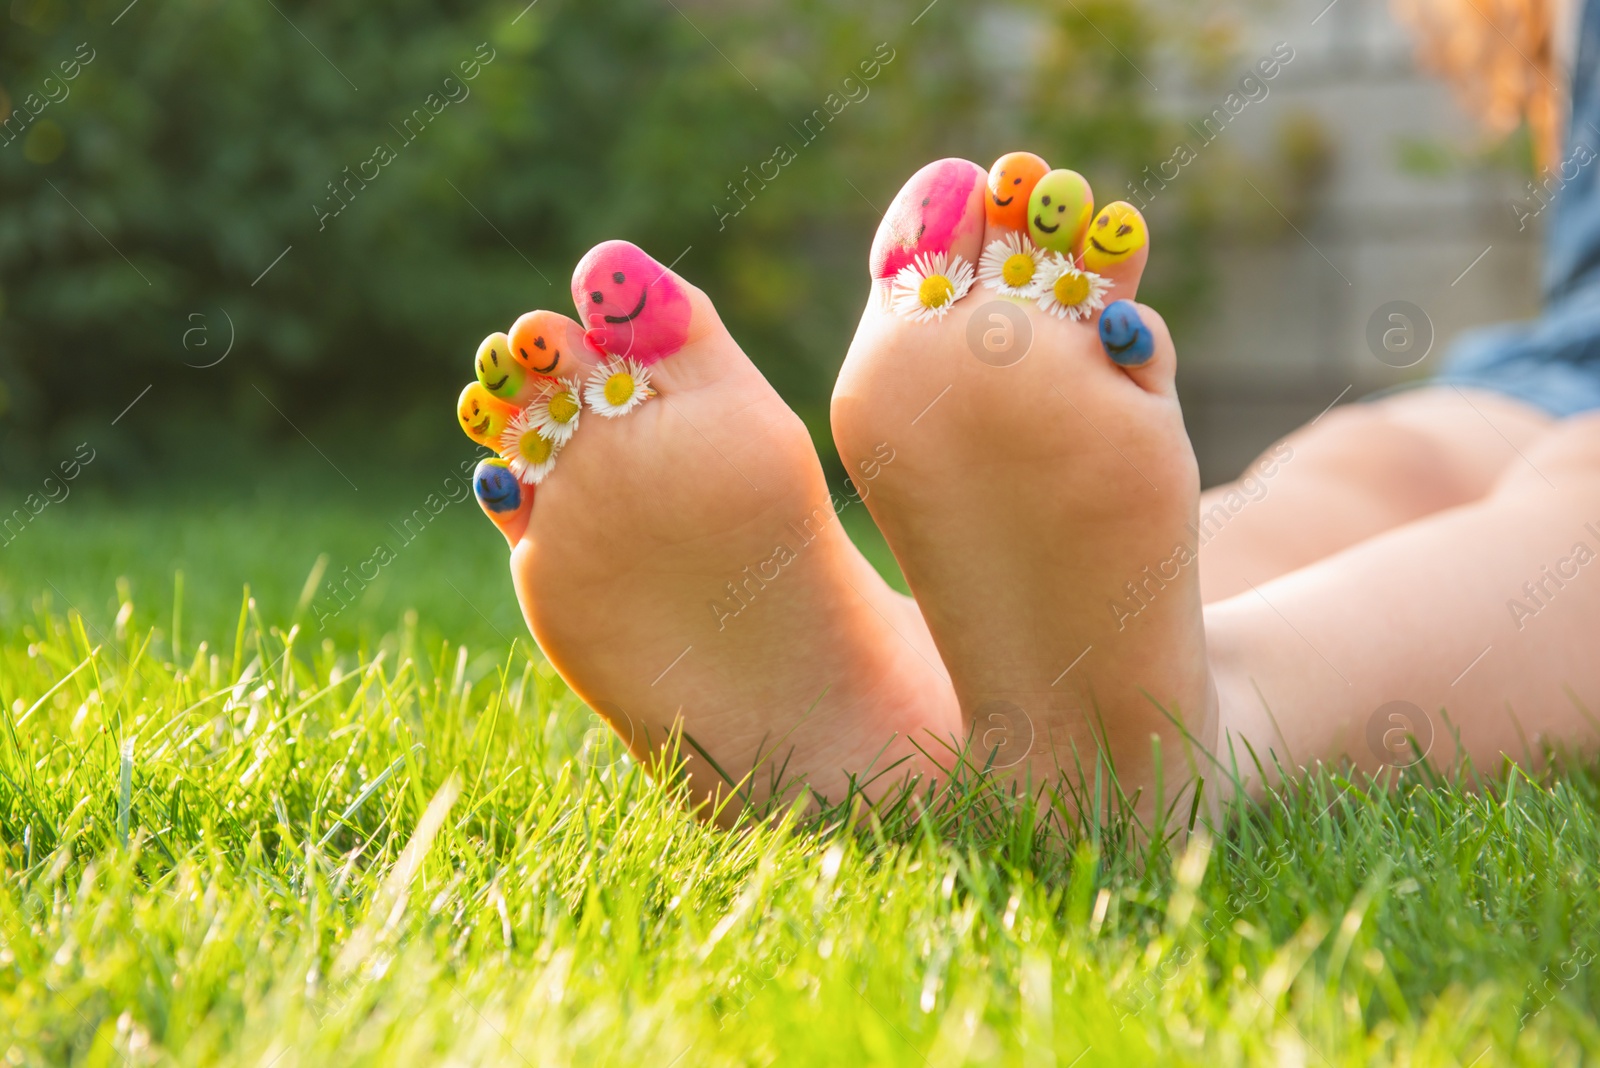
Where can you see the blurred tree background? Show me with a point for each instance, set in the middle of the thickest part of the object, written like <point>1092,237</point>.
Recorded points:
<point>171,198</point>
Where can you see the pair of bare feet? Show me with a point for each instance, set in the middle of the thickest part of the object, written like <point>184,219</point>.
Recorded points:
<point>681,565</point>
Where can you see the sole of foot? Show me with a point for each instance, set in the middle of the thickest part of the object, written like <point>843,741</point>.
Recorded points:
<point>676,550</point>
<point>1043,495</point>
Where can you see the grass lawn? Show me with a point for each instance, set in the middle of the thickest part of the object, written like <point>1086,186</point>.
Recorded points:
<point>397,839</point>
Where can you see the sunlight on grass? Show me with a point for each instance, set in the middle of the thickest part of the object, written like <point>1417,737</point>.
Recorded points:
<point>277,850</point>
<point>231,837</point>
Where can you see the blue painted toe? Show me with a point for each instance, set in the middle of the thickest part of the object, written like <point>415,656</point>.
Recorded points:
<point>497,487</point>
<point>1127,340</point>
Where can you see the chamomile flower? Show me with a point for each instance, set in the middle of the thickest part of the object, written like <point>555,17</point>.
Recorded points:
<point>618,386</point>
<point>1067,291</point>
<point>530,456</point>
<point>927,286</point>
<point>1012,266</point>
<point>555,415</point>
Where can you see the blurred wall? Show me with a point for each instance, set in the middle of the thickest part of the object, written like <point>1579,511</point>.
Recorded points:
<point>1400,199</point>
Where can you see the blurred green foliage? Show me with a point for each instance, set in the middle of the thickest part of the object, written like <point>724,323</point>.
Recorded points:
<point>139,210</point>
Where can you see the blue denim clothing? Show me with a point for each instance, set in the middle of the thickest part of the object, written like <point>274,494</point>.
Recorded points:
<point>1553,362</point>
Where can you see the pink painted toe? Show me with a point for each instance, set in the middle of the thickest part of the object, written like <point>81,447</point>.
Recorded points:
<point>939,210</point>
<point>630,304</point>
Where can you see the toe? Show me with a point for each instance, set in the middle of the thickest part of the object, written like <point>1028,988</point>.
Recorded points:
<point>1116,246</point>
<point>1136,339</point>
<point>1059,210</point>
<point>506,501</point>
<point>631,305</point>
<point>546,346</point>
<point>939,211</point>
<point>482,415</point>
<point>637,308</point>
<point>1007,192</point>
<point>497,372</point>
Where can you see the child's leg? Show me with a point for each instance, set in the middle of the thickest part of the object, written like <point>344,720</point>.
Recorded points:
<point>1356,472</point>
<point>1488,614</point>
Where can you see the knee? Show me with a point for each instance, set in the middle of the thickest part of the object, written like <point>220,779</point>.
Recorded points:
<point>1366,444</point>
<point>1569,450</point>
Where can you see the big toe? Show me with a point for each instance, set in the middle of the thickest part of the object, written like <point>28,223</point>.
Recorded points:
<point>635,307</point>
<point>939,212</point>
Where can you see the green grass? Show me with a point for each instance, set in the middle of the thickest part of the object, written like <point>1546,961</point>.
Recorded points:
<point>397,841</point>
<point>449,568</point>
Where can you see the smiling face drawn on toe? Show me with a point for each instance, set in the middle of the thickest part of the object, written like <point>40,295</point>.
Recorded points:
<point>497,371</point>
<point>1059,210</point>
<point>1126,339</point>
<point>1116,234</point>
<point>638,309</point>
<point>483,416</point>
<point>632,305</point>
<point>497,488</point>
<point>541,340</point>
<point>1011,182</point>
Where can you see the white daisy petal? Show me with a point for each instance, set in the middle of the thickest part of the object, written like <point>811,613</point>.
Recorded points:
<point>927,286</point>
<point>1012,266</point>
<point>555,415</point>
<point>1069,292</point>
<point>618,386</point>
<point>529,455</point>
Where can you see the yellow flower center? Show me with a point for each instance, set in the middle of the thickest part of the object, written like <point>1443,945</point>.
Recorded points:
<point>563,407</point>
<point>935,291</point>
<point>1072,289</point>
<point>534,449</point>
<point>619,387</point>
<point>1017,270</point>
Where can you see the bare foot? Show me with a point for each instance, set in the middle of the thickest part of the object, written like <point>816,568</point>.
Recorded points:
<point>1043,494</point>
<point>679,560</point>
